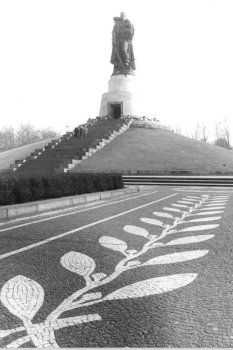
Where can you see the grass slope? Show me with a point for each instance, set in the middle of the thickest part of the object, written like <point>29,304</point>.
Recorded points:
<point>157,150</point>
<point>9,157</point>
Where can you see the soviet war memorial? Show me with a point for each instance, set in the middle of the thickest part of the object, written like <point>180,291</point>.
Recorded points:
<point>118,232</point>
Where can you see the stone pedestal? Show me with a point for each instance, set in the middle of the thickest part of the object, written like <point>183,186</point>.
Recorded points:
<point>122,99</point>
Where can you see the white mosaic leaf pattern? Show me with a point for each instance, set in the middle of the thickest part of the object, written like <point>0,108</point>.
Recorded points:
<point>209,212</point>
<point>17,343</point>
<point>24,302</point>
<point>162,214</point>
<point>172,209</point>
<point>22,296</point>
<point>78,263</point>
<point>113,243</point>
<point>214,204</point>
<point>136,230</point>
<point>176,257</point>
<point>185,202</point>
<point>199,228</point>
<point>212,208</point>
<point>152,286</point>
<point>210,218</point>
<point>91,296</point>
<point>152,221</point>
<point>180,205</point>
<point>191,239</point>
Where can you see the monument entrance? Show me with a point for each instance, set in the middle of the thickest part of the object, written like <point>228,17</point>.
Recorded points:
<point>115,110</point>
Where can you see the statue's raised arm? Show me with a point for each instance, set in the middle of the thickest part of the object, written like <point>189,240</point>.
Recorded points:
<point>122,49</point>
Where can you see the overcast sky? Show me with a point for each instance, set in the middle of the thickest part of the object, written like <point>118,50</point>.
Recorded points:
<point>54,59</point>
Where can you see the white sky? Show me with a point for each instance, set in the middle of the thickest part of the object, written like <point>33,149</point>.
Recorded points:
<point>54,59</point>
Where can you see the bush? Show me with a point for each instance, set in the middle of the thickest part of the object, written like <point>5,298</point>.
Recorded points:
<point>27,189</point>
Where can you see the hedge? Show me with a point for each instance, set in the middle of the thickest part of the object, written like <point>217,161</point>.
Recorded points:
<point>16,190</point>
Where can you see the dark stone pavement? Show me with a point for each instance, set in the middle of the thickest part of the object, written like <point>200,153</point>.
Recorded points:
<point>186,301</point>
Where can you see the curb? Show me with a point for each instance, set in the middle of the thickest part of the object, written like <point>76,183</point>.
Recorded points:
<point>15,210</point>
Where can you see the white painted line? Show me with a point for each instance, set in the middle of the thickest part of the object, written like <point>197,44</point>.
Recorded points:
<point>35,245</point>
<point>74,212</point>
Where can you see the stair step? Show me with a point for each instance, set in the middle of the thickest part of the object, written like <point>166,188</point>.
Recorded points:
<point>68,151</point>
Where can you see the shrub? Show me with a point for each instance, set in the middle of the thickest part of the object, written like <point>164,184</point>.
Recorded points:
<point>27,189</point>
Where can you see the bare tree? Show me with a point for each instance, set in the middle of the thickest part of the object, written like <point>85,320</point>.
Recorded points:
<point>195,133</point>
<point>7,138</point>
<point>204,133</point>
<point>26,133</point>
<point>175,128</point>
<point>47,133</point>
<point>222,134</point>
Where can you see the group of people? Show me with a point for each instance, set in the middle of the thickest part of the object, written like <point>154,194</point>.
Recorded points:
<point>81,131</point>
<point>150,119</point>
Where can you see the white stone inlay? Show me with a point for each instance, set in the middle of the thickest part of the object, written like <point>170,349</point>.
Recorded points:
<point>190,239</point>
<point>23,297</point>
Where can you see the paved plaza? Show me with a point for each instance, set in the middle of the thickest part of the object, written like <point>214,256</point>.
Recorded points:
<point>150,269</point>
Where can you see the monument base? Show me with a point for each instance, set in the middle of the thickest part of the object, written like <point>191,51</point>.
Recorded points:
<point>122,98</point>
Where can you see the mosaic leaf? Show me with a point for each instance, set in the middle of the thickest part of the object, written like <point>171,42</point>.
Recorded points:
<point>218,202</point>
<point>212,208</point>
<point>208,213</point>
<point>22,296</point>
<point>78,263</point>
<point>209,204</point>
<point>152,286</point>
<point>193,198</point>
<point>191,239</point>
<point>5,333</point>
<point>199,228</point>
<point>113,243</point>
<point>17,343</point>
<point>210,218</point>
<point>136,230</point>
<point>176,257</point>
<point>152,221</point>
<point>172,209</point>
<point>91,296</point>
<point>163,215</point>
<point>185,202</point>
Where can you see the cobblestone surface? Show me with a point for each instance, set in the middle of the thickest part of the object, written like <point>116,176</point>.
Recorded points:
<point>159,276</point>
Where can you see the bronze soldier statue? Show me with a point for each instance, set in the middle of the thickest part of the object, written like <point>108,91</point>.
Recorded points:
<point>122,49</point>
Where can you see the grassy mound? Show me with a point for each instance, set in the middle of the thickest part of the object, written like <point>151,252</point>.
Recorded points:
<point>158,151</point>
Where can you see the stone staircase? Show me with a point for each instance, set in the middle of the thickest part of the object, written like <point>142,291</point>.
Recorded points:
<point>62,155</point>
<point>92,150</point>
